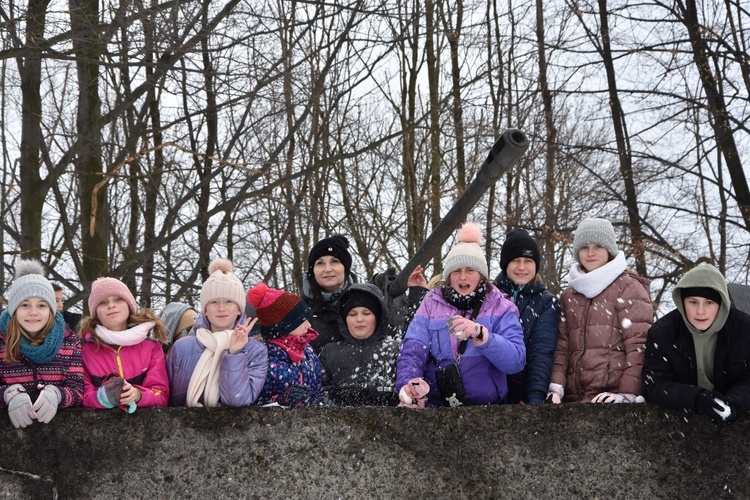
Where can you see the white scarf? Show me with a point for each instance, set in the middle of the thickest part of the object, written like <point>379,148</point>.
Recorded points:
<point>594,282</point>
<point>205,377</point>
<point>132,336</point>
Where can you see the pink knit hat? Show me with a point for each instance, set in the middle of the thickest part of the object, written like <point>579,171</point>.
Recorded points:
<point>102,288</point>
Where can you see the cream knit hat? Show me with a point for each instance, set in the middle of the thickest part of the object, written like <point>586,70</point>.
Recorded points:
<point>467,252</point>
<point>222,284</point>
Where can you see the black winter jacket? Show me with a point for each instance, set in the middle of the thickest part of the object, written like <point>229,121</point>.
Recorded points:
<point>362,372</point>
<point>669,369</point>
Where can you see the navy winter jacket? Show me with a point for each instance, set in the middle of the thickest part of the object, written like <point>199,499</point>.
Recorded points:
<point>538,310</point>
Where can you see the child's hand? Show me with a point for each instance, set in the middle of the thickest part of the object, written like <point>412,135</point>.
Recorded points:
<point>414,394</point>
<point>464,328</point>
<point>240,335</point>
<point>130,394</point>
<point>416,278</point>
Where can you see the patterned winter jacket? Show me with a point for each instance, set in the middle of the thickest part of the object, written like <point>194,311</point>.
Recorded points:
<point>601,341</point>
<point>241,375</point>
<point>142,365</point>
<point>289,383</point>
<point>539,312</point>
<point>483,369</point>
<point>65,371</point>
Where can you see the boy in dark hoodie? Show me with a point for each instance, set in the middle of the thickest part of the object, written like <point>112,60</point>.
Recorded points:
<point>698,356</point>
<point>360,369</point>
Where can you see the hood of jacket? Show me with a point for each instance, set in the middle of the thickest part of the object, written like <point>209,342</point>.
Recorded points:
<point>381,329</point>
<point>705,276</point>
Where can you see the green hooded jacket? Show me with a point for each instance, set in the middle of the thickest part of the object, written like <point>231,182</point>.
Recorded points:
<point>705,276</point>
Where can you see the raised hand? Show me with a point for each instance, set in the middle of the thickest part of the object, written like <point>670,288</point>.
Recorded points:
<point>416,278</point>
<point>240,335</point>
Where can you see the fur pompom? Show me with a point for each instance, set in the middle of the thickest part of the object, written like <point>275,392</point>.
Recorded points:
<point>255,294</point>
<point>25,267</point>
<point>222,265</point>
<point>470,233</point>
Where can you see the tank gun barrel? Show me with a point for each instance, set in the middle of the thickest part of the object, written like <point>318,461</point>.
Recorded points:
<point>506,151</point>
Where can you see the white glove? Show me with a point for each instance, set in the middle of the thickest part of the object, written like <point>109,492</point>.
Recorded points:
<point>615,397</point>
<point>47,403</point>
<point>555,393</point>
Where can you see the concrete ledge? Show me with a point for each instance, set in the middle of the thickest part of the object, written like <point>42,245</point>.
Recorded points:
<point>568,451</point>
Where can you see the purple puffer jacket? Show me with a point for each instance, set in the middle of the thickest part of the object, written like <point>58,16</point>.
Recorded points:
<point>483,369</point>
<point>241,375</point>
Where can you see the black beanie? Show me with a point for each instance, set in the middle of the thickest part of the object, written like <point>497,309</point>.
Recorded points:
<point>518,243</point>
<point>336,246</point>
<point>701,291</point>
<point>359,298</point>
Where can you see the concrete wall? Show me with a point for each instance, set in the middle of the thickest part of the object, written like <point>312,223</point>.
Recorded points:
<point>568,451</point>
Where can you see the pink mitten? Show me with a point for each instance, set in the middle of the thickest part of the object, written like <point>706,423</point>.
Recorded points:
<point>414,394</point>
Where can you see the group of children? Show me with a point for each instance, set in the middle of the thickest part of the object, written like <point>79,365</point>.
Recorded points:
<point>471,341</point>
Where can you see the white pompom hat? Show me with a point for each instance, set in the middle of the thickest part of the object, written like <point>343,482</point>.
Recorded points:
<point>467,252</point>
<point>222,284</point>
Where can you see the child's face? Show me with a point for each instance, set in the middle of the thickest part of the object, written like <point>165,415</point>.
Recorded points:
<point>33,315</point>
<point>593,256</point>
<point>222,314</point>
<point>701,312</point>
<point>301,329</point>
<point>465,280</point>
<point>113,313</point>
<point>361,322</point>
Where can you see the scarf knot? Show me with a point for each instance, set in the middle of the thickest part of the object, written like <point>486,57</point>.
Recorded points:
<point>205,378</point>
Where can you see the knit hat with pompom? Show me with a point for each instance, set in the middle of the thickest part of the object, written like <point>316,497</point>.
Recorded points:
<point>279,312</point>
<point>222,284</point>
<point>30,282</point>
<point>467,252</point>
<point>102,288</point>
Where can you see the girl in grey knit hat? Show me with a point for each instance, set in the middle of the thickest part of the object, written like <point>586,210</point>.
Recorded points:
<point>604,316</point>
<point>40,359</point>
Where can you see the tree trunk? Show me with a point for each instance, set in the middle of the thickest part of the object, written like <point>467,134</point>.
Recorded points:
<point>33,190</point>
<point>717,108</point>
<point>547,238</point>
<point>623,144</point>
<point>433,77</point>
<point>453,35</point>
<point>84,20</point>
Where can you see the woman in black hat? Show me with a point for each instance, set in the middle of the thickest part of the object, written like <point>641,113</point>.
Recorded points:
<point>328,276</point>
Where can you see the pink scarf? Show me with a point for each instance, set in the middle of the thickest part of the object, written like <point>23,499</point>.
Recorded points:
<point>294,345</point>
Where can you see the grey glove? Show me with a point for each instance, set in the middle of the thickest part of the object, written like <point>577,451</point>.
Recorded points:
<point>20,409</point>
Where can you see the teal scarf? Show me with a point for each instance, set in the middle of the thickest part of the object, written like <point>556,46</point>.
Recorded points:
<point>46,352</point>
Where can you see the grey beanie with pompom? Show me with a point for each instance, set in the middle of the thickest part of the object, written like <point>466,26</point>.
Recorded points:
<point>30,282</point>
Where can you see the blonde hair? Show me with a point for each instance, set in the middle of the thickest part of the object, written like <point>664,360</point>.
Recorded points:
<point>435,281</point>
<point>144,315</point>
<point>13,337</point>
